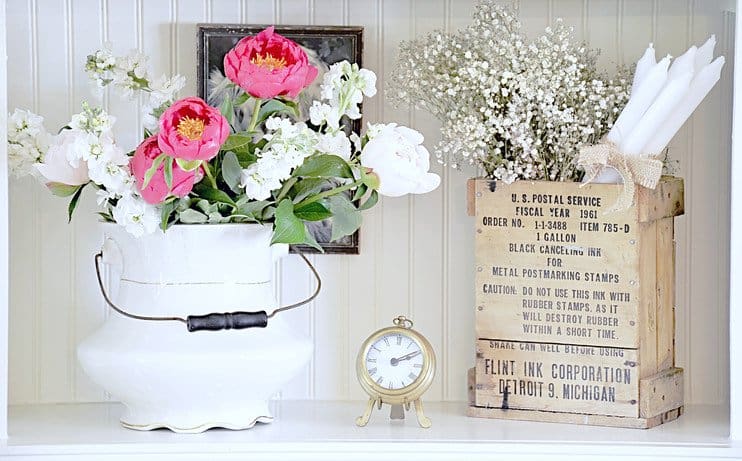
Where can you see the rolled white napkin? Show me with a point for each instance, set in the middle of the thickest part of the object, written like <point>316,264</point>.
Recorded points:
<point>662,98</point>
<point>640,101</point>
<point>683,63</point>
<point>705,54</point>
<point>666,102</point>
<point>701,85</point>
<point>643,65</point>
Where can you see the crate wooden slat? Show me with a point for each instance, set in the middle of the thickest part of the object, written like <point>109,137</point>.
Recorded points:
<point>570,418</point>
<point>574,304</point>
<point>550,376</point>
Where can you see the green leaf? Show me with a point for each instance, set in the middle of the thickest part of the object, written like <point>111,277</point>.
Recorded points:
<point>217,218</point>
<point>372,200</point>
<point>247,206</point>
<point>245,157</point>
<point>62,190</point>
<point>360,192</point>
<point>306,187</point>
<point>275,106</point>
<point>236,141</point>
<point>269,212</point>
<point>241,99</point>
<point>105,216</point>
<point>204,206</point>
<point>312,212</point>
<point>169,174</point>
<point>346,219</point>
<point>207,192</point>
<point>191,216</point>
<point>253,210</point>
<point>184,203</point>
<point>165,212</point>
<point>285,189</point>
<point>292,105</point>
<point>187,165</point>
<point>73,203</point>
<point>153,169</point>
<point>231,171</point>
<point>371,180</point>
<point>227,110</point>
<point>288,228</point>
<point>324,166</point>
<point>312,242</point>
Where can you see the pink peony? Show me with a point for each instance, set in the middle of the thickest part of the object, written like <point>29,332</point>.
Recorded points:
<point>269,65</point>
<point>156,190</point>
<point>190,129</point>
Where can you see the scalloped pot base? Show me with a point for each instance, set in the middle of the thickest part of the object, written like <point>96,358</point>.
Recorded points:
<point>168,377</point>
<point>232,425</point>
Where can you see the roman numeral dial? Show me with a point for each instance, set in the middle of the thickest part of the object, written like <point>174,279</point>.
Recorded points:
<point>394,361</point>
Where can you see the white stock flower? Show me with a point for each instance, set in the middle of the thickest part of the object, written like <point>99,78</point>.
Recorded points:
<point>57,167</point>
<point>163,89</point>
<point>110,167</point>
<point>271,165</point>
<point>100,65</point>
<point>286,126</point>
<point>336,144</point>
<point>321,113</point>
<point>92,120</point>
<point>368,78</point>
<point>258,187</point>
<point>396,155</point>
<point>289,141</point>
<point>163,93</point>
<point>24,123</point>
<point>331,81</point>
<point>27,142</point>
<point>129,74</point>
<point>149,120</point>
<point>137,216</point>
<point>288,145</point>
<point>344,85</point>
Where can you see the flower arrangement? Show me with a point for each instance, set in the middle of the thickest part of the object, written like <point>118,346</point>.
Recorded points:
<point>198,165</point>
<point>517,110</point>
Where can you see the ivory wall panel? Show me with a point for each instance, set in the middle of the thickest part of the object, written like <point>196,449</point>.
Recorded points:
<point>416,252</point>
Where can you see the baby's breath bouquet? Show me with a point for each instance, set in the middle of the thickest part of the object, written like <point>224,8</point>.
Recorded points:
<point>517,110</point>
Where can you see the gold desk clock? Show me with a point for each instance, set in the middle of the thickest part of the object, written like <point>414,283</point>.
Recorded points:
<point>396,366</point>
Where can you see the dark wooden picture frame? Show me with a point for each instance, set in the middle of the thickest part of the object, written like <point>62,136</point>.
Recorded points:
<point>325,45</point>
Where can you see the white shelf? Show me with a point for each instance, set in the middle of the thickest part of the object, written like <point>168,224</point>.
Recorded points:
<point>316,430</point>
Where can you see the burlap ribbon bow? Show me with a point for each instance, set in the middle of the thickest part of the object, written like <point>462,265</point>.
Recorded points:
<point>633,169</point>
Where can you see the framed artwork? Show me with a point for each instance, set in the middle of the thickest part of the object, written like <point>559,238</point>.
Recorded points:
<point>325,45</point>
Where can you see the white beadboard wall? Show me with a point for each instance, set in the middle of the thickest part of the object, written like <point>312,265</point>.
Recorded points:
<point>416,253</point>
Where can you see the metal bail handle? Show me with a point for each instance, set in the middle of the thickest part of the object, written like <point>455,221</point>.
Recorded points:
<point>215,321</point>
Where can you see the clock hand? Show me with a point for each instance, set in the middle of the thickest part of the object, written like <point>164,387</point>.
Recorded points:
<point>396,360</point>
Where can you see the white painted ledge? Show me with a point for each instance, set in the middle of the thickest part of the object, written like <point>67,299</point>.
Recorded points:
<point>314,430</point>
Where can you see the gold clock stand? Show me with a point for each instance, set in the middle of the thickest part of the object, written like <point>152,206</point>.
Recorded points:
<point>396,412</point>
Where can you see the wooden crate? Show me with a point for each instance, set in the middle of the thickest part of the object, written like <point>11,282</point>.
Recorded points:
<point>575,312</point>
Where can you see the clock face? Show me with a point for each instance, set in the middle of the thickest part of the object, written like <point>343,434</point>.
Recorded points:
<point>394,361</point>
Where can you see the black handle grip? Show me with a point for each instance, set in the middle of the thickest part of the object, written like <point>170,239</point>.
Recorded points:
<point>227,321</point>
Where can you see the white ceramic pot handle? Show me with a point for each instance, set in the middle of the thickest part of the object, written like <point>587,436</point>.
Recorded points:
<point>111,252</point>
<point>279,250</point>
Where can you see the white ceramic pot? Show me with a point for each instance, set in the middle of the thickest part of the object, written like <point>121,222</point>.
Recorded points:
<point>187,381</point>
